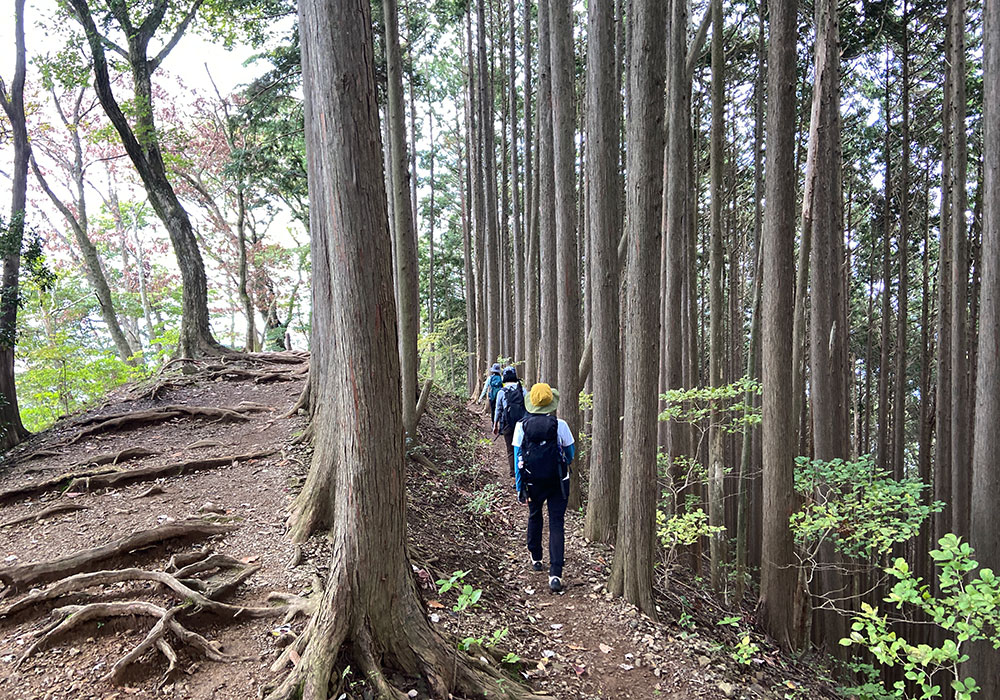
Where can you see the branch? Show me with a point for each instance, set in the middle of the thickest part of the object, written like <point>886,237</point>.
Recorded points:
<point>63,209</point>
<point>694,52</point>
<point>181,28</point>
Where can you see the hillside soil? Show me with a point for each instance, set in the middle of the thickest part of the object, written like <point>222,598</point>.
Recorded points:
<point>150,486</point>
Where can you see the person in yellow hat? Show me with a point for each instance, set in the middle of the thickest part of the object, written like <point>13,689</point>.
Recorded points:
<point>543,451</point>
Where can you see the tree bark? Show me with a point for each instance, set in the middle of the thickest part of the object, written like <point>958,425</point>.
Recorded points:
<point>716,458</point>
<point>985,520</point>
<point>902,296</point>
<point>778,576</point>
<point>516,294</point>
<point>549,284</point>
<point>492,234</point>
<point>961,416</point>
<point>632,569</point>
<point>12,431</point>
<point>603,114</point>
<point>828,308</point>
<point>567,253</point>
<point>405,226</point>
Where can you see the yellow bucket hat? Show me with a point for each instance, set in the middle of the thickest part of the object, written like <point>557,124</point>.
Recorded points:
<point>542,399</point>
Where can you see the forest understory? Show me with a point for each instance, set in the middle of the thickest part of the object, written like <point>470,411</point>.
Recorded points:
<point>218,526</point>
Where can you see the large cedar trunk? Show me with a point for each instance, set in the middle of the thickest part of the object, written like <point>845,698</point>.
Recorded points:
<point>828,318</point>
<point>12,431</point>
<point>632,570</point>
<point>375,619</point>
<point>778,576</point>
<point>985,524</point>
<point>494,347</point>
<point>603,116</point>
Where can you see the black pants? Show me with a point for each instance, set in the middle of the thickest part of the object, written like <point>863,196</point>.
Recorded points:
<point>538,495</point>
<point>508,438</point>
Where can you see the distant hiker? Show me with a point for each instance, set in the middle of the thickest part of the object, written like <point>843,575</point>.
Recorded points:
<point>543,451</point>
<point>509,411</point>
<point>494,382</point>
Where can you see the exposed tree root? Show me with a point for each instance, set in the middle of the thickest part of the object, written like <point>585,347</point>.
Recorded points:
<point>17,578</point>
<point>194,596</point>
<point>153,490</point>
<point>129,453</point>
<point>122,478</point>
<point>53,484</point>
<point>205,442</point>
<point>38,454</point>
<point>303,403</point>
<point>305,437</point>
<point>425,394</point>
<point>133,419</point>
<point>45,513</point>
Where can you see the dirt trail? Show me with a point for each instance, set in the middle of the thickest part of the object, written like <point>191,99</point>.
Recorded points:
<point>462,516</point>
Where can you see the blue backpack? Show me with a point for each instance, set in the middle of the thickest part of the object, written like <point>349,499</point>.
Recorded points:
<point>496,383</point>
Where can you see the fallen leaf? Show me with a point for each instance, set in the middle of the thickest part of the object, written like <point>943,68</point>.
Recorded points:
<point>574,647</point>
<point>435,604</point>
<point>605,648</point>
<point>250,559</point>
<point>294,656</point>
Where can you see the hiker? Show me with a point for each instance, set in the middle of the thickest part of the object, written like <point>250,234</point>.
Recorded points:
<point>543,451</point>
<point>509,411</point>
<point>492,387</point>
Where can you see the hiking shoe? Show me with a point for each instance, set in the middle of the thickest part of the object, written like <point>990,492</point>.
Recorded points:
<point>536,564</point>
<point>555,584</point>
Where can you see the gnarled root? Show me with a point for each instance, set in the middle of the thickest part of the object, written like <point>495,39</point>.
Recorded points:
<point>19,577</point>
<point>71,616</point>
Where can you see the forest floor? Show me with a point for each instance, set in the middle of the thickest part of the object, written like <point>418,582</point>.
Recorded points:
<point>207,464</point>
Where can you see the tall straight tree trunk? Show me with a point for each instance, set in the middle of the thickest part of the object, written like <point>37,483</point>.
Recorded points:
<point>961,416</point>
<point>778,577</point>
<point>549,289</point>
<point>676,233</point>
<point>883,450</point>
<point>567,253</point>
<point>943,397</point>
<point>902,296</point>
<point>430,241</point>
<point>357,477</point>
<point>407,283</point>
<point>465,184</point>
<point>926,421</point>
<point>531,272</point>
<point>12,431</point>
<point>146,155</point>
<point>516,294</point>
<point>716,458</point>
<point>985,520</point>
<point>828,311</point>
<point>489,170</point>
<point>603,114</point>
<point>482,356</point>
<point>632,569</point>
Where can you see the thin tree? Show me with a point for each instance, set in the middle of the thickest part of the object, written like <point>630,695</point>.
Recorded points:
<point>716,458</point>
<point>902,303</point>
<point>603,110</point>
<point>778,578</point>
<point>12,431</point>
<point>632,569</point>
<point>961,412</point>
<point>548,327</point>
<point>489,175</point>
<point>516,295</point>
<point>407,283</point>
<point>567,252</point>
<point>145,152</point>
